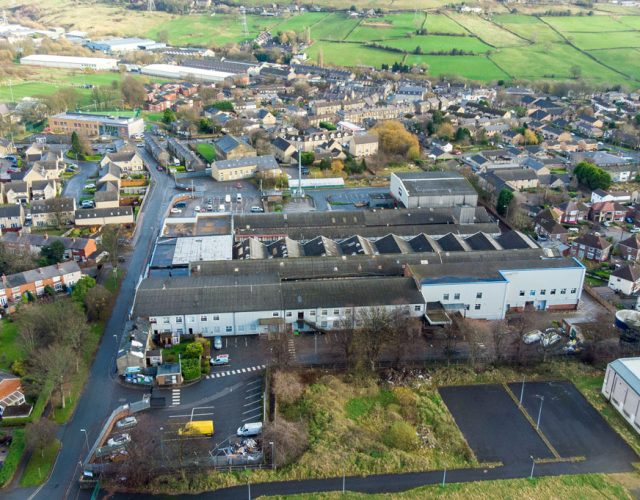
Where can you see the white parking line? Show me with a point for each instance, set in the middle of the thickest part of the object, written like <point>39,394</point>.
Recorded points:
<point>233,372</point>
<point>252,389</point>
<point>252,410</point>
<point>256,381</point>
<point>253,402</point>
<point>226,373</point>
<point>252,417</point>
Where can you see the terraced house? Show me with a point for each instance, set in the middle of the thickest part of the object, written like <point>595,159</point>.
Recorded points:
<point>57,276</point>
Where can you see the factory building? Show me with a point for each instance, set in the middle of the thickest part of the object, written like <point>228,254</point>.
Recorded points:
<point>69,62</point>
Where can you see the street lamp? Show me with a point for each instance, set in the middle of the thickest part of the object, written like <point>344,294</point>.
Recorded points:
<point>86,438</point>
<point>533,465</point>
<point>273,454</point>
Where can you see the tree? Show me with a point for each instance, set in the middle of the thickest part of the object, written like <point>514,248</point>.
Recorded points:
<point>81,288</point>
<point>395,139</point>
<point>111,242</point>
<point>287,386</point>
<point>53,365</point>
<point>194,350</point>
<point>346,339</point>
<point>133,92</point>
<point>279,346</point>
<point>591,176</point>
<point>96,303</point>
<point>337,167</point>
<point>576,71</point>
<point>163,36</point>
<point>39,434</point>
<point>374,333</point>
<point>530,137</point>
<point>504,198</point>
<point>320,57</point>
<point>168,116</point>
<point>307,158</point>
<point>290,440</point>
<point>52,254</point>
<point>75,332</point>
<point>79,145</point>
<point>462,134</point>
<point>445,131</point>
<point>14,261</point>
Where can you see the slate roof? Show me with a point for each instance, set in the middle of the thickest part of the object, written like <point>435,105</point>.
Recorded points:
<point>592,241</point>
<point>48,272</point>
<point>632,241</point>
<point>260,162</point>
<point>63,204</point>
<point>628,272</point>
<point>392,244</point>
<point>10,211</point>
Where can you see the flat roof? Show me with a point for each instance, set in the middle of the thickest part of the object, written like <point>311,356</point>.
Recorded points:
<point>629,370</point>
<point>68,59</point>
<point>435,183</point>
<point>88,117</point>
<point>197,248</point>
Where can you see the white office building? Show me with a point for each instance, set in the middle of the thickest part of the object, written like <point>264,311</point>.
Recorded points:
<point>185,73</point>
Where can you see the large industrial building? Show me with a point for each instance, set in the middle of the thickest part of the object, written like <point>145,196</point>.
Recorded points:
<point>119,45</point>
<point>432,189</point>
<point>95,125</point>
<point>314,270</point>
<point>185,73</point>
<point>70,62</point>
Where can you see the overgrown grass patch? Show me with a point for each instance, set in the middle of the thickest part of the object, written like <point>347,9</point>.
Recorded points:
<point>9,349</point>
<point>12,459</point>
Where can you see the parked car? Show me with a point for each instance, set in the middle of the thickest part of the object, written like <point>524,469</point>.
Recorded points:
<point>217,342</point>
<point>606,223</point>
<point>239,198</point>
<point>549,340</point>
<point>532,337</point>
<point>91,185</point>
<point>257,210</point>
<point>87,204</point>
<point>250,429</point>
<point>197,209</point>
<point>119,440</point>
<point>127,422</point>
<point>220,359</point>
<point>210,207</point>
<point>175,210</point>
<point>227,198</point>
<point>221,208</point>
<point>634,230</point>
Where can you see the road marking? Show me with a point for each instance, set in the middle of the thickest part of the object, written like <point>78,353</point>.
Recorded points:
<point>252,417</point>
<point>244,370</point>
<point>251,389</point>
<point>188,415</point>
<point>217,375</point>
<point>233,372</point>
<point>254,381</point>
<point>263,366</point>
<point>253,402</point>
<point>227,373</point>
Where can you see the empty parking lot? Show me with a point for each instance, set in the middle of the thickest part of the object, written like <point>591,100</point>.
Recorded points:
<point>498,429</point>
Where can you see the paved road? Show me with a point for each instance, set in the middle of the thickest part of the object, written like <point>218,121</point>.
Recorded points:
<point>73,186</point>
<point>101,393</point>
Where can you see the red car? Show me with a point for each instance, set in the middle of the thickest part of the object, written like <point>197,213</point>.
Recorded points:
<point>238,185</point>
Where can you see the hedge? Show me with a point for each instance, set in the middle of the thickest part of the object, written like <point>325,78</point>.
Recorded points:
<point>190,369</point>
<point>13,457</point>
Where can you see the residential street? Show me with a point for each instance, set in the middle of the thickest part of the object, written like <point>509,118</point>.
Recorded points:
<point>73,187</point>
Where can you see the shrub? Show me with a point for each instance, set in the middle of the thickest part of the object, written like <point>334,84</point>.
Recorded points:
<point>401,436</point>
<point>194,350</point>
<point>190,369</point>
<point>18,368</point>
<point>407,400</point>
<point>291,439</point>
<point>287,387</point>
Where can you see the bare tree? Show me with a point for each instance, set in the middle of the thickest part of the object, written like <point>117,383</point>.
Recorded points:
<point>500,339</point>
<point>279,347</point>
<point>97,302</point>
<point>374,333</point>
<point>39,434</point>
<point>346,339</point>
<point>450,339</point>
<point>402,337</point>
<point>53,364</point>
<point>111,242</point>
<point>76,331</point>
<point>290,440</point>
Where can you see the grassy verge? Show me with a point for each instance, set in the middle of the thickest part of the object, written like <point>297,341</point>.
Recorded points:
<point>13,457</point>
<point>207,151</point>
<point>78,380</point>
<point>39,466</point>
<point>579,486</point>
<point>112,283</point>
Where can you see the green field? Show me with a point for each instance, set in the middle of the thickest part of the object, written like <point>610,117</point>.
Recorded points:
<point>9,349</point>
<point>207,151</point>
<point>435,43</point>
<point>528,27</point>
<point>487,31</point>
<point>439,23</point>
<point>472,67</point>
<point>384,28</point>
<point>335,26</point>
<point>300,23</point>
<point>628,60</point>
<point>592,41</point>
<point>351,54</point>
<point>585,24</point>
<point>553,61</point>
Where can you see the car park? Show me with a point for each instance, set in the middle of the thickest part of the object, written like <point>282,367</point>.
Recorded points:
<point>127,422</point>
<point>119,440</point>
<point>217,342</point>
<point>220,360</point>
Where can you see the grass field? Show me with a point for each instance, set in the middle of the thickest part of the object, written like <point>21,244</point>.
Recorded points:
<point>488,32</point>
<point>472,67</point>
<point>542,488</point>
<point>439,44</point>
<point>300,23</point>
<point>338,54</point>
<point>592,41</point>
<point>207,151</point>
<point>335,26</point>
<point>40,465</point>
<point>585,24</point>
<point>528,27</point>
<point>384,28</point>
<point>9,350</point>
<point>439,23</point>
<point>628,60</point>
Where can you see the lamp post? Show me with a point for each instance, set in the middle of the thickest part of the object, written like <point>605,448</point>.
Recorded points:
<point>273,454</point>
<point>539,413</point>
<point>533,466</point>
<point>86,438</point>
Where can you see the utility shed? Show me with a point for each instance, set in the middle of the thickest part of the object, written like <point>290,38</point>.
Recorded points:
<point>622,388</point>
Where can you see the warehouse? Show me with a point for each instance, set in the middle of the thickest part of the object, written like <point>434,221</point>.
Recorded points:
<point>91,125</point>
<point>69,62</point>
<point>432,190</point>
<point>185,73</point>
<point>119,45</point>
<point>621,387</point>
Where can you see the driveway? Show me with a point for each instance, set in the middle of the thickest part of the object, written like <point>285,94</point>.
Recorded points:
<point>73,187</point>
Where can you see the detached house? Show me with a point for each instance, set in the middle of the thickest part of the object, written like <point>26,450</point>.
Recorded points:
<point>630,248</point>
<point>591,247</point>
<point>16,192</point>
<point>363,145</point>
<point>128,160</point>
<point>607,211</point>
<point>625,279</point>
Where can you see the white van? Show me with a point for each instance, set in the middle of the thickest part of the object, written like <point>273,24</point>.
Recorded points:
<point>227,198</point>
<point>239,198</point>
<point>574,230</point>
<point>250,429</point>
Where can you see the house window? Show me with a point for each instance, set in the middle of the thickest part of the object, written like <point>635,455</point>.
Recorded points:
<point>521,293</point>
<point>241,328</point>
<point>479,295</point>
<point>563,291</point>
<point>312,313</point>
<point>216,317</point>
<point>203,318</point>
<point>178,319</point>
<point>166,320</point>
<point>323,324</point>
<point>276,314</point>
<point>192,319</point>
<point>228,329</point>
<point>324,312</point>
<point>216,329</point>
<point>532,293</point>
<point>543,292</point>
<point>477,307</point>
<point>288,314</point>
<point>456,296</point>
<point>179,331</point>
<point>552,292</point>
<point>445,296</point>
<point>417,308</point>
<point>336,312</point>
<point>573,290</point>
